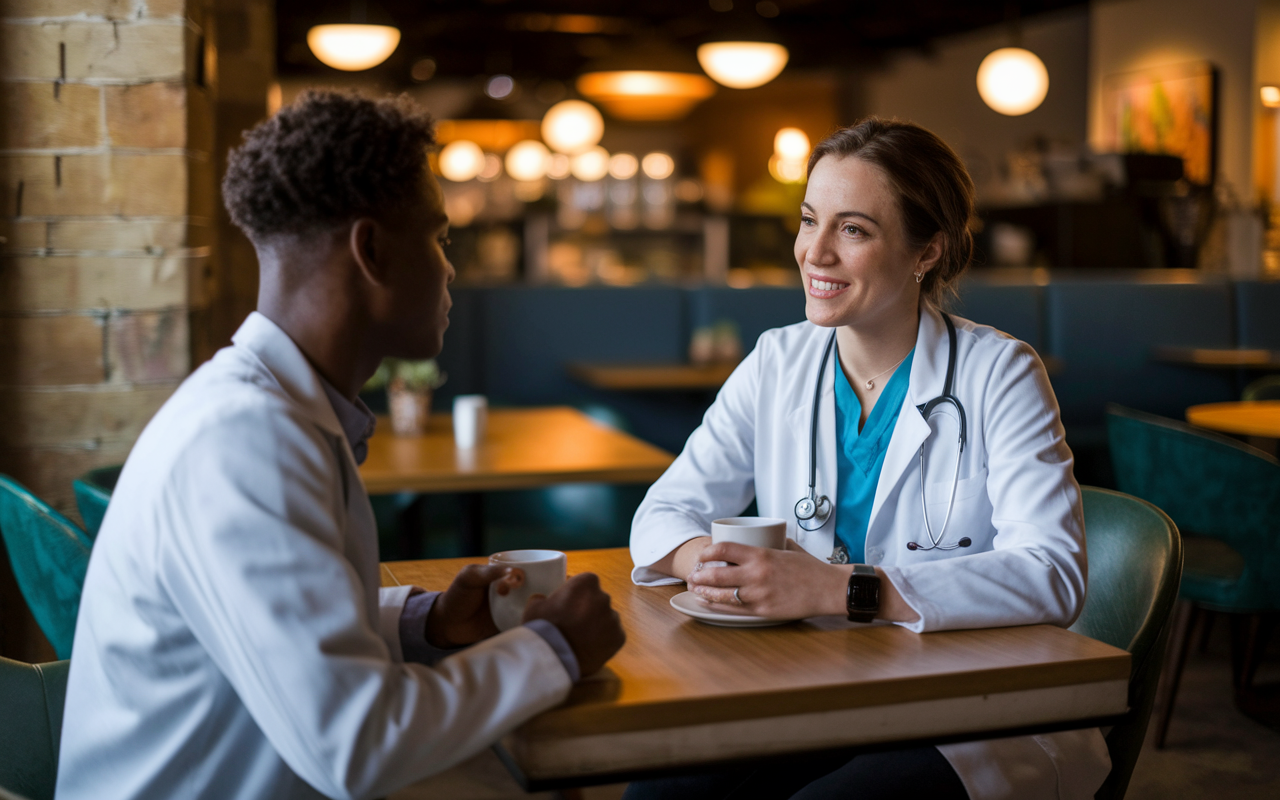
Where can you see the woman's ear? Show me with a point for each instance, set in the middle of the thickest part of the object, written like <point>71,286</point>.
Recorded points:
<point>361,241</point>
<point>931,255</point>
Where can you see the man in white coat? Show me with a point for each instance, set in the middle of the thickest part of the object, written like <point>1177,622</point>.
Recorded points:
<point>233,640</point>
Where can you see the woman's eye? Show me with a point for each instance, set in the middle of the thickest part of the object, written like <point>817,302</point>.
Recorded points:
<point>806,221</point>
<point>852,230</point>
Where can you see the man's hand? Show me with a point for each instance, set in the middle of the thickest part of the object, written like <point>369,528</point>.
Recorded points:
<point>582,612</point>
<point>461,616</point>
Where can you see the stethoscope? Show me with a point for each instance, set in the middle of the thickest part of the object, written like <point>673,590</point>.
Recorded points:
<point>813,510</point>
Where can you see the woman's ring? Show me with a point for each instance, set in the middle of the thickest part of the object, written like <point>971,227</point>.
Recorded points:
<point>736,598</point>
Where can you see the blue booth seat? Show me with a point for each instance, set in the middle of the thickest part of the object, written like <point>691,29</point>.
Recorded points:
<point>1258,314</point>
<point>1017,309</point>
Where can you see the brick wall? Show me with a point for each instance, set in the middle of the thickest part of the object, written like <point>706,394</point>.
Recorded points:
<point>109,213</point>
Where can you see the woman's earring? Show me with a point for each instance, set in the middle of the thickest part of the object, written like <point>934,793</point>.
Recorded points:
<point>919,276</point>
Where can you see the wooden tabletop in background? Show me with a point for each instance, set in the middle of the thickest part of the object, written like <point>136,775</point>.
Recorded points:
<point>1218,357</point>
<point>682,692</point>
<point>524,448</point>
<point>1242,418</point>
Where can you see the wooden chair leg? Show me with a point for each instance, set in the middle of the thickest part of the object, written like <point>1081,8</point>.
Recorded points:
<point>1175,659</point>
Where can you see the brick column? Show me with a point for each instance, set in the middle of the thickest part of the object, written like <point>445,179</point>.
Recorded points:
<point>107,206</point>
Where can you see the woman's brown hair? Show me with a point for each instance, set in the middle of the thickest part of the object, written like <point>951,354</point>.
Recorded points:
<point>935,192</point>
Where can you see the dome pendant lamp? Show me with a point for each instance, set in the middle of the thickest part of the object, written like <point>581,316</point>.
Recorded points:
<point>354,46</point>
<point>742,65</point>
<point>650,81</point>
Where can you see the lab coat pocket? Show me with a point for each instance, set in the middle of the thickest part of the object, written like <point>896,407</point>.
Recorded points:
<point>938,492</point>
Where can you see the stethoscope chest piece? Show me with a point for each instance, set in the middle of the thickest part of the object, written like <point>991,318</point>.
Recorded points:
<point>813,512</point>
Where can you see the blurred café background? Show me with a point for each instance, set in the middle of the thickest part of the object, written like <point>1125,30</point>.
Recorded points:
<point>623,181</point>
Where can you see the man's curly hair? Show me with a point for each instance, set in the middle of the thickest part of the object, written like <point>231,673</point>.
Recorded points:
<point>327,159</point>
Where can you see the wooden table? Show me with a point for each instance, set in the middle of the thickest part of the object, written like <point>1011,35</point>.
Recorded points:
<point>1259,418</point>
<point>524,448</point>
<point>652,377</point>
<point>1218,358</point>
<point>681,693</point>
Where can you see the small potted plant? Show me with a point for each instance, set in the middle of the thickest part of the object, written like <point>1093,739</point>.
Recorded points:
<point>409,386</point>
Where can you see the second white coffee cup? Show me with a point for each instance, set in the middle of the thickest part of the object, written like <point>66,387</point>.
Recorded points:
<point>755,531</point>
<point>544,572</point>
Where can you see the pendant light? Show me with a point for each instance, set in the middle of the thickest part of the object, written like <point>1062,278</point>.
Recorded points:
<point>646,82</point>
<point>572,127</point>
<point>742,65</point>
<point>353,46</point>
<point>1013,81</point>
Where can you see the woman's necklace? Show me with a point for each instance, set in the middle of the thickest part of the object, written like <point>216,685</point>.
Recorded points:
<point>871,382</point>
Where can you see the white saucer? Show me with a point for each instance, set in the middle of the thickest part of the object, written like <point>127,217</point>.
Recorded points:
<point>688,603</point>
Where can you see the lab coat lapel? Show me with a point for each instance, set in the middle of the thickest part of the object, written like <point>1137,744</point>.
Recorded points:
<point>928,374</point>
<point>798,420</point>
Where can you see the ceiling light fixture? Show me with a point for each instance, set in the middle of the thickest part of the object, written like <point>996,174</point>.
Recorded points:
<point>1013,81</point>
<point>572,126</point>
<point>658,165</point>
<point>528,160</point>
<point>1271,96</point>
<point>353,47</point>
<point>742,65</point>
<point>623,166</point>
<point>591,165</point>
<point>461,160</point>
<point>648,81</point>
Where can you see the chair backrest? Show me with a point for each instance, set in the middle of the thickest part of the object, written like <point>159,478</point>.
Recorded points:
<point>1265,388</point>
<point>49,555</point>
<point>32,696</point>
<point>93,492</point>
<point>1211,485</point>
<point>1135,563</point>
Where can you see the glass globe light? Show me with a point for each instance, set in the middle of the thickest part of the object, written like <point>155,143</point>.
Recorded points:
<point>1013,81</point>
<point>623,166</point>
<point>353,47</point>
<point>591,165</point>
<point>658,165</point>
<point>528,160</point>
<point>461,160</point>
<point>791,144</point>
<point>572,127</point>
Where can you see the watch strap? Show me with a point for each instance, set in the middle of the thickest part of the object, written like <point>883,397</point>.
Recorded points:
<point>862,600</point>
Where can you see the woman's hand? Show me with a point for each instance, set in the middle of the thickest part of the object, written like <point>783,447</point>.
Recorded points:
<point>782,584</point>
<point>681,561</point>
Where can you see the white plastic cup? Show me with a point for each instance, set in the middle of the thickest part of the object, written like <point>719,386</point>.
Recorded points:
<point>470,419</point>
<point>544,572</point>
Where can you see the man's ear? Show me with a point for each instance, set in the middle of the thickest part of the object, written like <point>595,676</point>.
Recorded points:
<point>361,241</point>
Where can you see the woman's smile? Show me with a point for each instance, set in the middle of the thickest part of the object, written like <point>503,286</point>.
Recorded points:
<point>823,289</point>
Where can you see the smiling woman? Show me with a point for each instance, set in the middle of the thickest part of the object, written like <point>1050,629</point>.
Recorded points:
<point>926,438</point>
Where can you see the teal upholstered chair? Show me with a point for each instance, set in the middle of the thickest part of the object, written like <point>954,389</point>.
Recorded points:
<point>1225,498</point>
<point>93,492</point>
<point>49,555</point>
<point>1135,560</point>
<point>32,696</point>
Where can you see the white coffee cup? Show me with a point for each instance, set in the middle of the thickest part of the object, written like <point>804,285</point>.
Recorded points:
<point>544,572</point>
<point>755,531</point>
<point>470,419</point>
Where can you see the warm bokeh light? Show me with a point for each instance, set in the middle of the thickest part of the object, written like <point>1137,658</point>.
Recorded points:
<point>572,126</point>
<point>461,160</point>
<point>491,170</point>
<point>623,166</point>
<point>528,160</point>
<point>742,65</point>
<point>787,170</point>
<point>1013,81</point>
<point>1271,96</point>
<point>558,167</point>
<point>591,165</point>
<point>791,144</point>
<point>353,47</point>
<point>658,165</point>
<point>646,95</point>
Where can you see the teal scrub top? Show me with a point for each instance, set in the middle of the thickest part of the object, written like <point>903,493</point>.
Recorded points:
<point>860,454</point>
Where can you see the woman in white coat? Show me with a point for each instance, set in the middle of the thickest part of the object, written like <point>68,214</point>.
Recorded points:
<point>1000,538</point>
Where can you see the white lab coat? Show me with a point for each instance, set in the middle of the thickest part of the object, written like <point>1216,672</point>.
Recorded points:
<point>233,640</point>
<point>1016,499</point>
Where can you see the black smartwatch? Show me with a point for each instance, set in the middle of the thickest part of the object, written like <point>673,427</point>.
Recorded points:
<point>863,599</point>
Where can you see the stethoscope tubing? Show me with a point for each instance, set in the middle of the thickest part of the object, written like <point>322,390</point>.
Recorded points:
<point>813,508</point>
